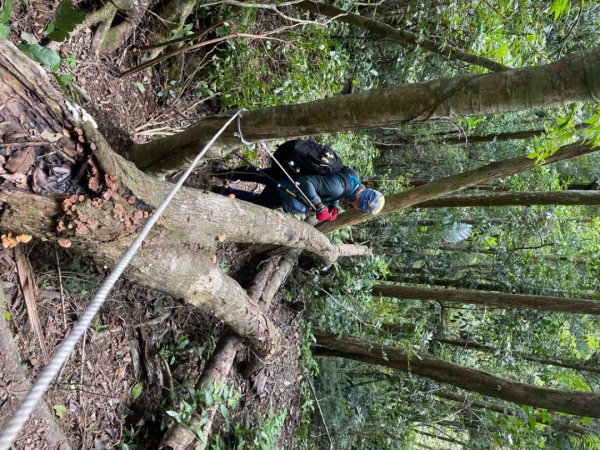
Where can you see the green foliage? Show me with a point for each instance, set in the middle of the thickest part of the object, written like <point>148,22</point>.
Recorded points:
<point>42,55</point>
<point>64,22</point>
<point>262,437</point>
<point>259,73</point>
<point>4,18</point>
<point>219,396</point>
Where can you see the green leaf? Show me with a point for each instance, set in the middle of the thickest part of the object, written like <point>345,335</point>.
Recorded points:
<point>4,31</point>
<point>136,390</point>
<point>6,11</point>
<point>41,54</point>
<point>559,7</point>
<point>65,21</point>
<point>7,315</point>
<point>60,410</point>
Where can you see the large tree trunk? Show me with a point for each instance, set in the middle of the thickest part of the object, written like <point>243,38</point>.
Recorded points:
<point>497,299</point>
<point>178,257</point>
<point>514,199</point>
<point>430,191</point>
<point>573,78</point>
<point>572,402</point>
<point>405,38</point>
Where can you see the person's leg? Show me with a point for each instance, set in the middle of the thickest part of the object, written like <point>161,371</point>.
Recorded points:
<point>293,206</point>
<point>269,197</point>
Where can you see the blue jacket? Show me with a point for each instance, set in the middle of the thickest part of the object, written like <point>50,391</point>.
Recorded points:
<point>326,189</point>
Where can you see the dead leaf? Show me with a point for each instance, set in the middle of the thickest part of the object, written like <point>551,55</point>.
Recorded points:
<point>39,182</point>
<point>18,179</point>
<point>17,135</point>
<point>231,196</point>
<point>221,237</point>
<point>49,136</point>
<point>213,259</point>
<point>70,151</point>
<point>21,160</point>
<point>28,289</point>
<point>61,170</point>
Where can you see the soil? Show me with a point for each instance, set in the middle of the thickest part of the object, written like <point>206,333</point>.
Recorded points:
<point>140,338</point>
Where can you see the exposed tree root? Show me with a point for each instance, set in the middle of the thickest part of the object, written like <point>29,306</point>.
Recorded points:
<point>174,14</point>
<point>13,375</point>
<point>180,436</point>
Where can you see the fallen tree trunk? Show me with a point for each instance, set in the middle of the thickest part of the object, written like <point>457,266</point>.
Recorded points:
<point>568,197</point>
<point>573,78</point>
<point>435,189</point>
<point>553,420</point>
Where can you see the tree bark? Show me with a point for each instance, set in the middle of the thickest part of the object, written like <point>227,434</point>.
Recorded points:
<point>554,421</point>
<point>178,256</point>
<point>405,38</point>
<point>572,402</point>
<point>431,191</point>
<point>497,299</point>
<point>573,78</point>
<point>514,199</point>
<point>558,362</point>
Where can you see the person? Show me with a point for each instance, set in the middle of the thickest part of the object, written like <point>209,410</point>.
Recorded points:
<point>322,193</point>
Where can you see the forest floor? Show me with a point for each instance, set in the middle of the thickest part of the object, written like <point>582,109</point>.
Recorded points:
<point>140,339</point>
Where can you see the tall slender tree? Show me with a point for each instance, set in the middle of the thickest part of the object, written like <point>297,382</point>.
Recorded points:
<point>494,299</point>
<point>572,402</point>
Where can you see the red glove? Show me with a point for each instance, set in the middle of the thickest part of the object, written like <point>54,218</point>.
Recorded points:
<point>323,215</point>
<point>333,213</point>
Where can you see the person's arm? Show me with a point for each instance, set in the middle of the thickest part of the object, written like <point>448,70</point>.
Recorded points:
<point>322,190</point>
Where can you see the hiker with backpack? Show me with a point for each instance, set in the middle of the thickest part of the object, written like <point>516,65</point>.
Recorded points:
<point>306,175</point>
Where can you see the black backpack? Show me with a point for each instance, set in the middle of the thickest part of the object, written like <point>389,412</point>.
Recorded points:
<point>299,158</point>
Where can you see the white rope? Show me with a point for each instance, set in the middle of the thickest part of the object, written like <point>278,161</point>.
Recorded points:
<point>14,425</point>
